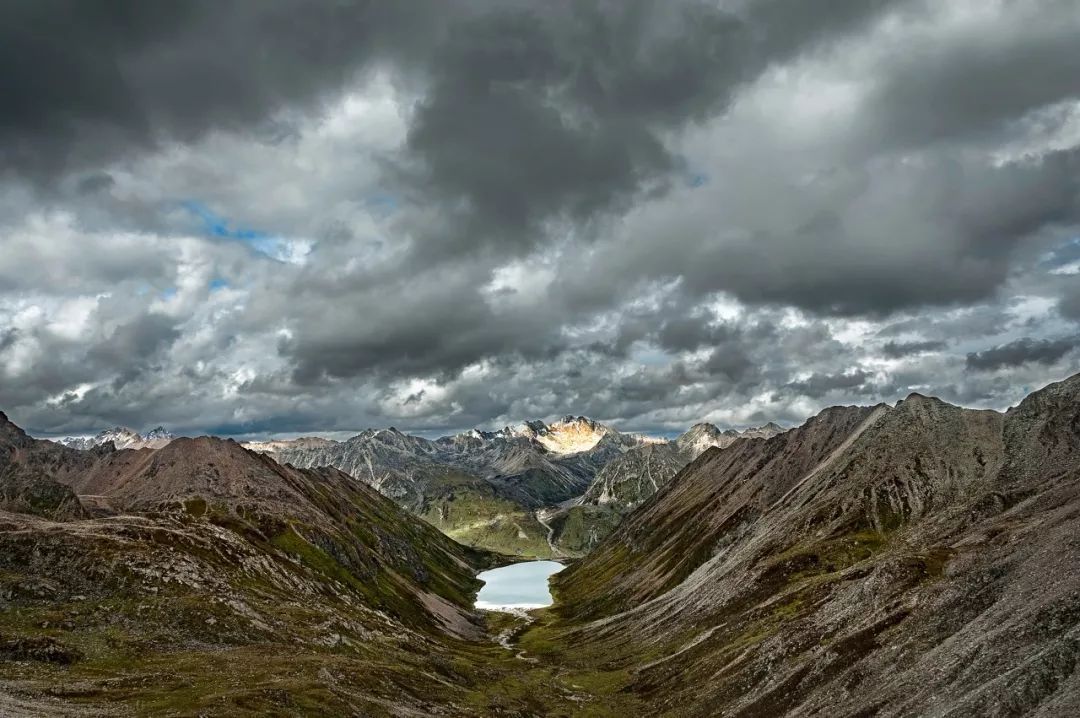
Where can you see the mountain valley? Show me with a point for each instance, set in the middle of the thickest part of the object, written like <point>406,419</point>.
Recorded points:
<point>907,559</point>
<point>514,490</point>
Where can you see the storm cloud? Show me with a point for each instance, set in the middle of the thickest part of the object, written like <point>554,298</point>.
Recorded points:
<point>259,218</point>
<point>1022,351</point>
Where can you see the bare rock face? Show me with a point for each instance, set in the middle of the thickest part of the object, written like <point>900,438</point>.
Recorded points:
<point>570,435</point>
<point>630,478</point>
<point>27,468</point>
<point>916,559</point>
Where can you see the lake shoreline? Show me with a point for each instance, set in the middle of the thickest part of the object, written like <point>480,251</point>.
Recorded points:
<point>517,587</point>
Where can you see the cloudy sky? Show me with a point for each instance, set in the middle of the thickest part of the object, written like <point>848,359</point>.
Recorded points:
<point>254,218</point>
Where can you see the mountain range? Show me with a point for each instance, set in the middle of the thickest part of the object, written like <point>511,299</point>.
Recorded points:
<point>510,490</point>
<point>903,559</point>
<point>532,489</point>
<point>122,438</point>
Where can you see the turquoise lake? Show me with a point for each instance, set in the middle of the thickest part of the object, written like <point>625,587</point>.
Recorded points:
<point>519,585</point>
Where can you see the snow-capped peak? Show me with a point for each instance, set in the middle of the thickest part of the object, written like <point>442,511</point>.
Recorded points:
<point>121,437</point>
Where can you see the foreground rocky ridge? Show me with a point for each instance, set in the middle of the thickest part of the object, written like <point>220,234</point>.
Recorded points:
<point>913,559</point>
<point>159,579</point>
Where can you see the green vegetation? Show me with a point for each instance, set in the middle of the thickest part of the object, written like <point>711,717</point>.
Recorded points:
<point>479,519</point>
<point>580,528</point>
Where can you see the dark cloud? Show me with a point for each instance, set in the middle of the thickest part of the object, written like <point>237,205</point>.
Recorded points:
<point>1022,351</point>
<point>688,333</point>
<point>293,216</point>
<point>1069,305</point>
<point>980,77</point>
<point>86,81</point>
<point>137,339</point>
<point>896,350</point>
<point>818,385</point>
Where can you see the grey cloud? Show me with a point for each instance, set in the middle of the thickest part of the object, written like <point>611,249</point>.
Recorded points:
<point>88,81</point>
<point>818,385</point>
<point>1022,351</point>
<point>730,362</point>
<point>682,333</point>
<point>619,168</point>
<point>1069,304</point>
<point>139,338</point>
<point>895,350</point>
<point>984,77</point>
<point>592,88</point>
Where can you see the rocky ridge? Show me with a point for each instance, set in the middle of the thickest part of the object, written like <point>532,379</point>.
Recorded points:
<point>916,559</point>
<point>632,477</point>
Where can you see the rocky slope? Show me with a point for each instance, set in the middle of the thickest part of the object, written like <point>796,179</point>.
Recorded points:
<point>214,581</point>
<point>630,478</point>
<point>916,559</point>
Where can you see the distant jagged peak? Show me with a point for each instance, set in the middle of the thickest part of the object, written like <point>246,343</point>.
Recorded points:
<point>703,435</point>
<point>121,437</point>
<point>569,435</point>
<point>159,432</point>
<point>271,446</point>
<point>571,420</point>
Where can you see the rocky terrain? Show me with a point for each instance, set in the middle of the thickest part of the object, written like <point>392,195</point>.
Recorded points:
<point>532,489</point>
<point>916,559</point>
<point>893,560</point>
<point>632,477</point>
<point>204,579</point>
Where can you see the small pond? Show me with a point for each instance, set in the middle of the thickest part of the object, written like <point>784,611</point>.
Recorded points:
<point>519,585</point>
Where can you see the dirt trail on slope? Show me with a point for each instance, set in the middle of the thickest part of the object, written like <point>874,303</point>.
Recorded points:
<point>550,534</point>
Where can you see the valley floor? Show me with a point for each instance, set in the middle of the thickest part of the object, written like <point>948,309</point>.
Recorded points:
<point>496,674</point>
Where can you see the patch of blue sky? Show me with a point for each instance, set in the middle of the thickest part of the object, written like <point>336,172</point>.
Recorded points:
<point>382,204</point>
<point>1064,259</point>
<point>697,179</point>
<point>649,356</point>
<point>214,225</point>
<point>217,284</point>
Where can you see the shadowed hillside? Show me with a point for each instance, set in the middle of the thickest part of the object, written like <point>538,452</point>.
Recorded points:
<point>908,560</point>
